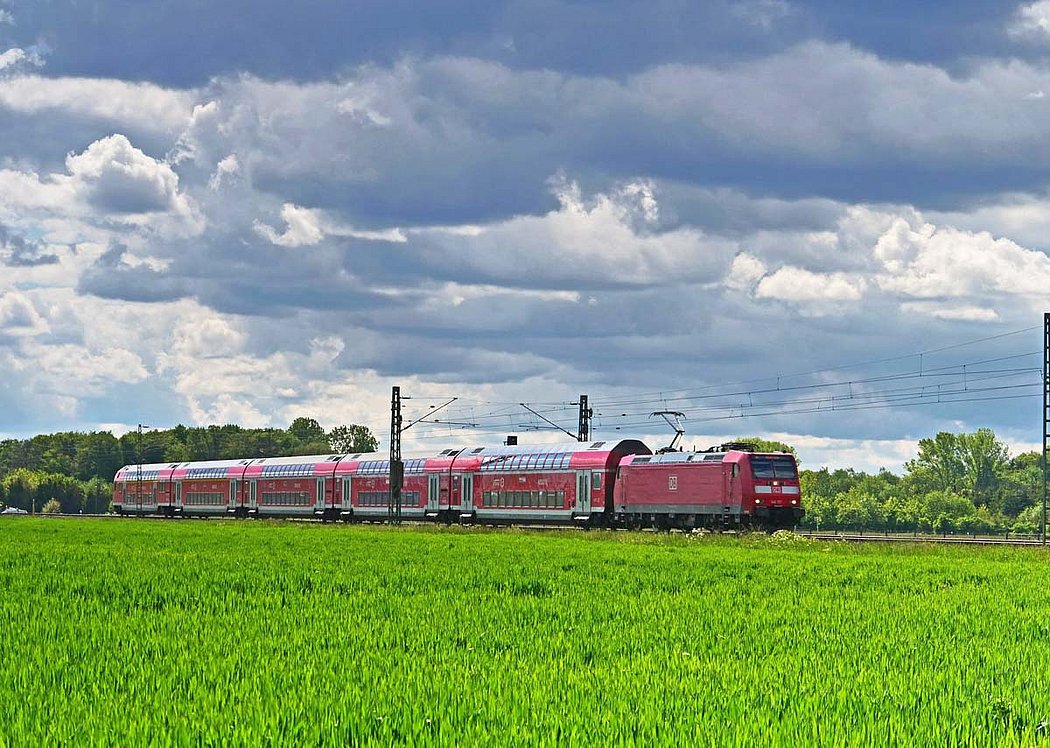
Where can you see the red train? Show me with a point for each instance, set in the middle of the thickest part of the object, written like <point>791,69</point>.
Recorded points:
<point>602,483</point>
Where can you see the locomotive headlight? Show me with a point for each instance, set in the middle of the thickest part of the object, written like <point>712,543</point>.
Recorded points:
<point>793,501</point>
<point>758,501</point>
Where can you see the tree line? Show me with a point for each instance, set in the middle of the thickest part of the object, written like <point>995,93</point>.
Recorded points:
<point>965,483</point>
<point>75,470</point>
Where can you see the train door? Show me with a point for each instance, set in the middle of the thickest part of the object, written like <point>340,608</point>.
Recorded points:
<point>138,496</point>
<point>466,491</point>
<point>232,506</point>
<point>583,492</point>
<point>178,496</point>
<point>319,506</point>
<point>345,494</point>
<point>433,493</point>
<point>253,497</point>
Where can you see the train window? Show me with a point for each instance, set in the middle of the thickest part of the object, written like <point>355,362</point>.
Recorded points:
<point>774,467</point>
<point>596,480</point>
<point>561,499</point>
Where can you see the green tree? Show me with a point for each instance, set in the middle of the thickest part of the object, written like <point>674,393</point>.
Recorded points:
<point>306,430</point>
<point>352,438</point>
<point>939,465</point>
<point>947,505</point>
<point>19,488</point>
<point>765,445</point>
<point>984,459</point>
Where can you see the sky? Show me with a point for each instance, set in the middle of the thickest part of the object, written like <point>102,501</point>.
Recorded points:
<point>819,222</point>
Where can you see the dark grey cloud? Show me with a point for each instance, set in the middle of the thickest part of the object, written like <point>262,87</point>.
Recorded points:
<point>316,39</point>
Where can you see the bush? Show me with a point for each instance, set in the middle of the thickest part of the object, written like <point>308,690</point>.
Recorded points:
<point>52,507</point>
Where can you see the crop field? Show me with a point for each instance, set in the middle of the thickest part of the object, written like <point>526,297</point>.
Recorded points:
<point>136,632</point>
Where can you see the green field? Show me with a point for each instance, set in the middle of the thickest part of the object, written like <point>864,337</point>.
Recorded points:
<point>192,632</point>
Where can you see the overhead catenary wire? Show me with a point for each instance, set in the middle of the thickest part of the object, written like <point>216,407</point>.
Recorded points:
<point>975,380</point>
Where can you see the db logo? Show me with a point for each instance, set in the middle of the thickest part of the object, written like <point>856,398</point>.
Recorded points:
<point>672,483</point>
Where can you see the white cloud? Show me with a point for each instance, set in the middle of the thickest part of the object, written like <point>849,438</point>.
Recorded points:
<point>110,182</point>
<point>797,284</point>
<point>588,240</point>
<point>928,262</point>
<point>1032,20</point>
<point>226,169</point>
<point>19,317</point>
<point>949,311</point>
<point>11,57</point>
<point>120,178</point>
<point>304,227</point>
<point>143,106</point>
<point>745,272</point>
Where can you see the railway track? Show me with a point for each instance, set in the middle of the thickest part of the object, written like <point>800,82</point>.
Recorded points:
<point>915,538</point>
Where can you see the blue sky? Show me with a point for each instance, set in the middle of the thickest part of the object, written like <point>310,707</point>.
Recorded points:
<point>759,213</point>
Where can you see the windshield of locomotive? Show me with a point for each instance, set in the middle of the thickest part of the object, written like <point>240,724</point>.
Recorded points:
<point>774,467</point>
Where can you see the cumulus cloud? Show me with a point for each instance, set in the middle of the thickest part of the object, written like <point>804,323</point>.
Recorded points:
<point>589,240</point>
<point>19,317</point>
<point>937,262</point>
<point>111,181</point>
<point>120,178</point>
<point>1031,21</point>
<point>797,284</point>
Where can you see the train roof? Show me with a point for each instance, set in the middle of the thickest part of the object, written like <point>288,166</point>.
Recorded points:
<point>606,445</point>
<point>671,458</point>
<point>579,454</point>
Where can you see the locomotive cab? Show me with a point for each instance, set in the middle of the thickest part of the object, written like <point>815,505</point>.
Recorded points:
<point>770,488</point>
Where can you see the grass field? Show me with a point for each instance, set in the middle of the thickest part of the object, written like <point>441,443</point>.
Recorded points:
<point>135,632</point>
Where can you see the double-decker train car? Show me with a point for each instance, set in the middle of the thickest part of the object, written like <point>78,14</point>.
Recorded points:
<point>541,483</point>
<point>611,483</point>
<point>364,487</point>
<point>719,488</point>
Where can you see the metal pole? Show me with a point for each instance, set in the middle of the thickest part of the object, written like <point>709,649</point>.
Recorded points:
<point>1046,414</point>
<point>585,421</point>
<point>397,468</point>
<point>138,468</point>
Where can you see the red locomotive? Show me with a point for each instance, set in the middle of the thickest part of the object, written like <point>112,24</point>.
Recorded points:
<point>601,483</point>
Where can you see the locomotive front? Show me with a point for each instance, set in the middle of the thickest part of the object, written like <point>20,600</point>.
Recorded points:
<point>770,486</point>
